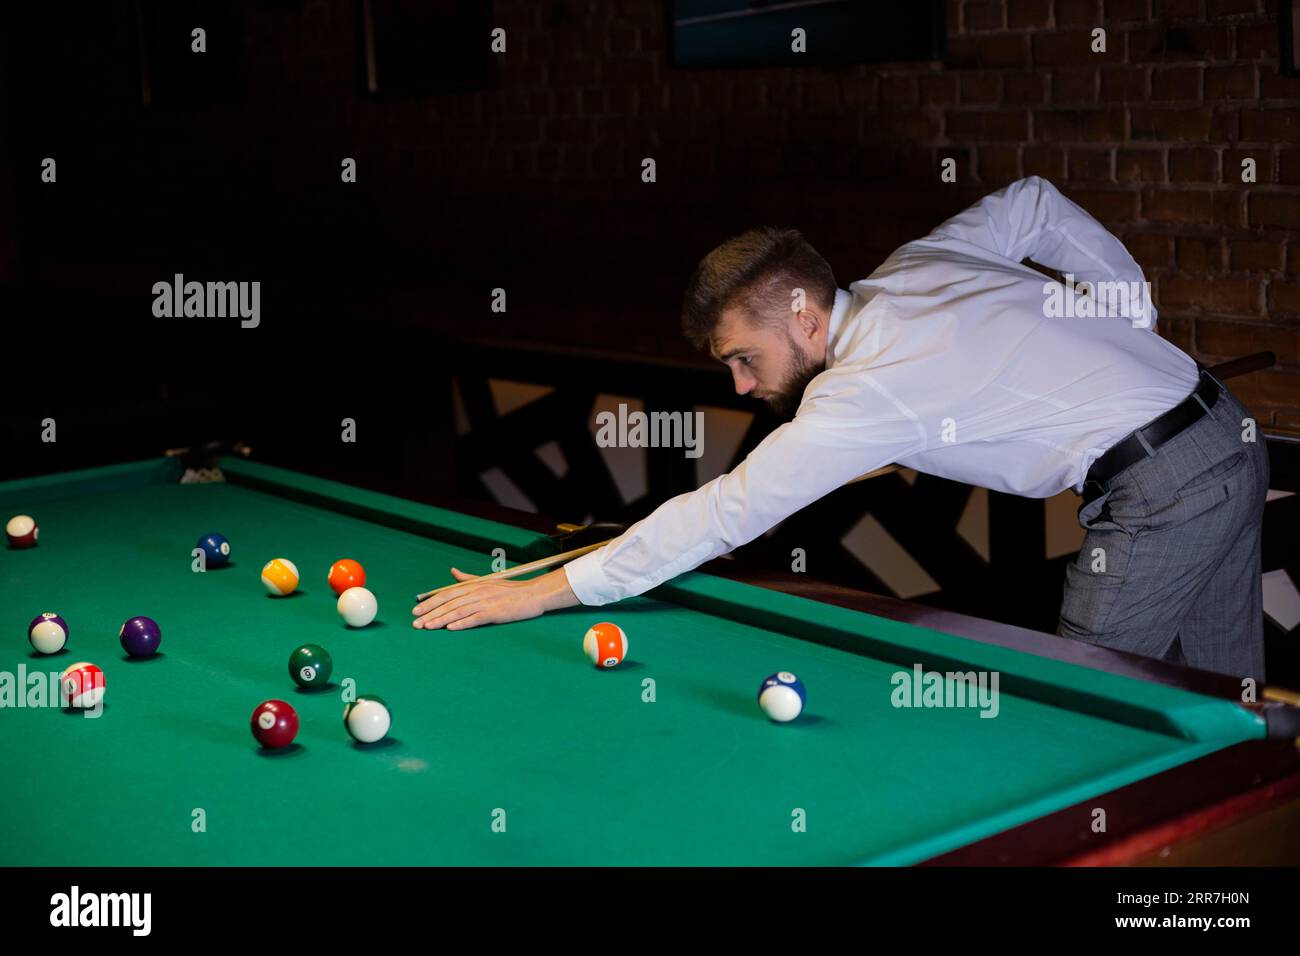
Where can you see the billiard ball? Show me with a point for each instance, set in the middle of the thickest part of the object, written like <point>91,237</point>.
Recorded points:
<point>367,719</point>
<point>22,531</point>
<point>82,685</point>
<point>140,636</point>
<point>782,696</point>
<point>280,575</point>
<point>358,607</point>
<point>274,724</point>
<point>345,574</point>
<point>48,633</point>
<point>215,548</point>
<point>605,644</point>
<point>310,666</point>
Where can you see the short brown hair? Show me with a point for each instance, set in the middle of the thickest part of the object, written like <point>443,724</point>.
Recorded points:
<point>755,271</point>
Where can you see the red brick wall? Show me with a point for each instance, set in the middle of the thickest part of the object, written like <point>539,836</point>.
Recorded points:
<point>535,184</point>
<point>1150,138</point>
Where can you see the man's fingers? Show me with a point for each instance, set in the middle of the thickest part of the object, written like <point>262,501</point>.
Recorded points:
<point>473,620</point>
<point>449,615</point>
<point>441,598</point>
<point>452,610</point>
<point>470,604</point>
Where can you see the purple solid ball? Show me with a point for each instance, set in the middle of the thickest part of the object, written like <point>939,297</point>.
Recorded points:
<point>141,637</point>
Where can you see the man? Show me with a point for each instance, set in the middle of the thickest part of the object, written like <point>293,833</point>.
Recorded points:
<point>956,359</point>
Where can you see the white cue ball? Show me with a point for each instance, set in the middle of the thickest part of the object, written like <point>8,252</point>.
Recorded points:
<point>358,607</point>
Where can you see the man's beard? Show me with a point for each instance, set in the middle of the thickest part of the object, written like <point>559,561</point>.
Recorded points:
<point>785,401</point>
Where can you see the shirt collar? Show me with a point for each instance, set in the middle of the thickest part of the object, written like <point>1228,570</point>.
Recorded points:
<point>839,312</point>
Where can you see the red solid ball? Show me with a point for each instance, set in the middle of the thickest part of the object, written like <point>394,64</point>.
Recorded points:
<point>274,724</point>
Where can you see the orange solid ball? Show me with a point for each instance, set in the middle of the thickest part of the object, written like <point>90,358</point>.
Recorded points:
<point>346,574</point>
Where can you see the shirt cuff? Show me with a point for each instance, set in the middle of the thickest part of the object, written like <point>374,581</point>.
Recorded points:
<point>588,582</point>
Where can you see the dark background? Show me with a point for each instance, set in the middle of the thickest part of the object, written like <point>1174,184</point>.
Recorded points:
<point>522,171</point>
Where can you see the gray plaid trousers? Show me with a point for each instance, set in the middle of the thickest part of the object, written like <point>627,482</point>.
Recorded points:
<point>1170,565</point>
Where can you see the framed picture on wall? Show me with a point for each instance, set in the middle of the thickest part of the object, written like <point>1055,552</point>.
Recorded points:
<point>746,33</point>
<point>1288,21</point>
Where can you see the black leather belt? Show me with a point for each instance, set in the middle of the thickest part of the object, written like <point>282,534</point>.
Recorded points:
<point>1144,442</point>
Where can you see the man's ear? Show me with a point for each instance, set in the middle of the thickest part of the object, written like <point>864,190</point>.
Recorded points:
<point>808,321</point>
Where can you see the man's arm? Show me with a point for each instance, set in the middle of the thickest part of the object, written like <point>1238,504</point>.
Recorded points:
<point>800,462</point>
<point>1030,219</point>
<point>843,431</point>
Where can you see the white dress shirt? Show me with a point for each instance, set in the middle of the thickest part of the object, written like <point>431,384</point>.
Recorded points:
<point>947,360</point>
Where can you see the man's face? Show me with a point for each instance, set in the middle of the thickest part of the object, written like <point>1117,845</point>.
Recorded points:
<point>772,362</point>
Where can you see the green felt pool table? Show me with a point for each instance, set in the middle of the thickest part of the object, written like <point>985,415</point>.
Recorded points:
<point>508,747</point>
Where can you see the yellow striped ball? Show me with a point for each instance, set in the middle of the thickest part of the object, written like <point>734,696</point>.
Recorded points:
<point>280,575</point>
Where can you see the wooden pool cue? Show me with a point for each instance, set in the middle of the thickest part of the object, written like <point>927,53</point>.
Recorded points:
<point>1240,366</point>
<point>875,473</point>
<point>555,560</point>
